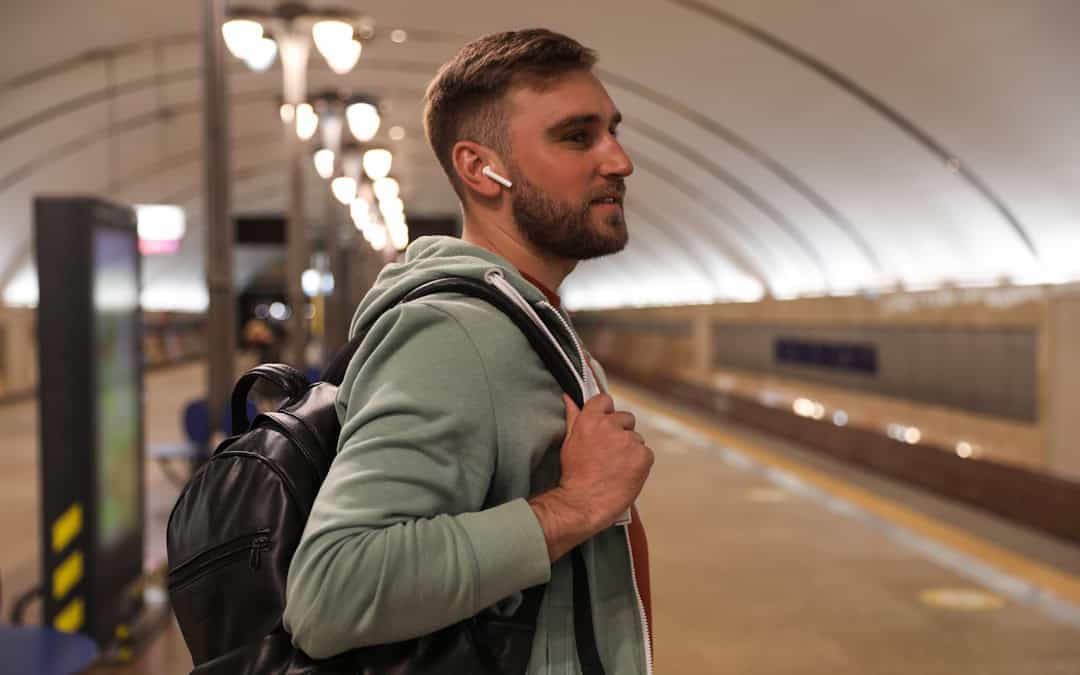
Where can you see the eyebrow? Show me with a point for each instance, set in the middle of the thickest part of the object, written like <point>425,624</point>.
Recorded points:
<point>581,120</point>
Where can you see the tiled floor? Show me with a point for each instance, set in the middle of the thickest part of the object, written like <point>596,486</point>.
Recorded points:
<point>748,576</point>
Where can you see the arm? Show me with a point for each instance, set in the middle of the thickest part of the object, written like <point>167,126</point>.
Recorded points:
<point>396,545</point>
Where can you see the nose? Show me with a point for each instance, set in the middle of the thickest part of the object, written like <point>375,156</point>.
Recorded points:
<point>616,162</point>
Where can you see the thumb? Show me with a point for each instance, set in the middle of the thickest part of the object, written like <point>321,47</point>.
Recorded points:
<point>572,412</point>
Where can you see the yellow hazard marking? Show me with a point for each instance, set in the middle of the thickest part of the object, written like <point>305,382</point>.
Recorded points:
<point>961,599</point>
<point>67,574</point>
<point>122,632</point>
<point>71,618</point>
<point>1061,584</point>
<point>67,527</point>
<point>763,495</point>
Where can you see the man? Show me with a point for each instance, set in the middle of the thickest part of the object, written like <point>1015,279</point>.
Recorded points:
<point>462,477</point>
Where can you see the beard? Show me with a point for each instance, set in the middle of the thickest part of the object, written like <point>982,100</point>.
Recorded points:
<point>565,230</point>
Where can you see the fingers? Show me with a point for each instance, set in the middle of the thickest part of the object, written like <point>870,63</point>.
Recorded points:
<point>624,419</point>
<point>601,403</point>
<point>572,412</point>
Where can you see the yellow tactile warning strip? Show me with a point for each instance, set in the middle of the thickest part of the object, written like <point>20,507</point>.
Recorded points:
<point>961,599</point>
<point>1066,587</point>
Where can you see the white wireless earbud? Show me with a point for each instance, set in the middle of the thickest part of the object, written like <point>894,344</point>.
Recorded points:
<point>505,182</point>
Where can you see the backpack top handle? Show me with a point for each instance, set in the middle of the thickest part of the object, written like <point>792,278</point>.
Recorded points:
<point>286,378</point>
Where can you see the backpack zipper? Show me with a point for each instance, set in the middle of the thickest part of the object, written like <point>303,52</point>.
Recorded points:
<point>251,545</point>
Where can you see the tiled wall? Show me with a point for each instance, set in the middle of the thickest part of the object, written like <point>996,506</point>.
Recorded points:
<point>983,370</point>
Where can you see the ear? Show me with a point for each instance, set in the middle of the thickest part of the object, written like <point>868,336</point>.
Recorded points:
<point>469,159</point>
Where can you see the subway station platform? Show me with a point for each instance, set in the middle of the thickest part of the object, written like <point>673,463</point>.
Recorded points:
<point>767,558</point>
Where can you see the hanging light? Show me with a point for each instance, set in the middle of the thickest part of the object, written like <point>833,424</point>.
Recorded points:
<point>309,282</point>
<point>363,121</point>
<point>367,228</point>
<point>386,188</point>
<point>391,206</point>
<point>360,211</point>
<point>261,55</point>
<point>344,189</point>
<point>377,238</point>
<point>288,113</point>
<point>307,121</point>
<point>241,36</point>
<point>334,40</point>
<point>377,163</point>
<point>324,162</point>
<point>399,236</point>
<point>344,59</point>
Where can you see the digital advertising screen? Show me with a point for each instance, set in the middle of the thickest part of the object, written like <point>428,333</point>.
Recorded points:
<point>116,333</point>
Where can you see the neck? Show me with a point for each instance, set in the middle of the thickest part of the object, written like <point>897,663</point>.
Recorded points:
<point>504,239</point>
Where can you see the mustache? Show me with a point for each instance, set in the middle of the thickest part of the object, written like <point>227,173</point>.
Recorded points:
<point>615,189</point>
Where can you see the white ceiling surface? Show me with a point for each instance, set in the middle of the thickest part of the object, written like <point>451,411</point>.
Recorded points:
<point>755,172</point>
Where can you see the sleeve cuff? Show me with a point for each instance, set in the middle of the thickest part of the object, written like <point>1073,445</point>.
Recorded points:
<point>511,552</point>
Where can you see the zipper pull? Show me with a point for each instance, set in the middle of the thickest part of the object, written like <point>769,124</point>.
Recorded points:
<point>257,545</point>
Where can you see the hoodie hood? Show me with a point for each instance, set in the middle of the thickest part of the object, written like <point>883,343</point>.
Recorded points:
<point>430,258</point>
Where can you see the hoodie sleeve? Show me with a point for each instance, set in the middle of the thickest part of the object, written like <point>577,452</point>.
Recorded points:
<point>398,543</point>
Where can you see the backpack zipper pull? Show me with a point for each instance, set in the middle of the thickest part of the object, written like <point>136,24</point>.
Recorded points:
<point>257,545</point>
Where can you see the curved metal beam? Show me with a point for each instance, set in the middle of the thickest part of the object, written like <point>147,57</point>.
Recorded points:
<point>738,186</point>
<point>758,155</point>
<point>642,161</point>
<point>672,238</point>
<point>885,110</point>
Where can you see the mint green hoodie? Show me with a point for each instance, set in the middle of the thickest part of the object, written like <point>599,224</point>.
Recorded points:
<point>450,421</point>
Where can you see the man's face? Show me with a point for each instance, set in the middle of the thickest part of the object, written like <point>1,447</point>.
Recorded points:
<point>567,167</point>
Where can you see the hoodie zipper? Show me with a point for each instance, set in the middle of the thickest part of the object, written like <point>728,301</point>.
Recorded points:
<point>495,278</point>
<point>645,630</point>
<point>589,388</point>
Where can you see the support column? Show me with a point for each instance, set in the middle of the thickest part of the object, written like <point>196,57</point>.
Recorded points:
<point>293,46</point>
<point>1063,386</point>
<point>297,255</point>
<point>338,313</point>
<point>221,315</point>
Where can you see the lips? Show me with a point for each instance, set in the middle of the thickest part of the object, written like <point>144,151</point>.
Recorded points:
<point>613,200</point>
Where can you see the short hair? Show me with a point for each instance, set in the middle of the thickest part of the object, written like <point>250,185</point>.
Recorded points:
<point>466,98</point>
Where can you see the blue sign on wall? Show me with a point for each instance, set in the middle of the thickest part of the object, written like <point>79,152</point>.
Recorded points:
<point>857,358</point>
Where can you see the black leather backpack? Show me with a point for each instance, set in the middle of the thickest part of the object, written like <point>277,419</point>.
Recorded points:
<point>237,523</point>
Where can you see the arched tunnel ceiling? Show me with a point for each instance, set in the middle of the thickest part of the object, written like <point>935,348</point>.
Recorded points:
<point>781,147</point>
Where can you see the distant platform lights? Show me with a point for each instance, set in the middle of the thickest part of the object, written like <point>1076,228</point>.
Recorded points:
<point>359,175</point>
<point>161,228</point>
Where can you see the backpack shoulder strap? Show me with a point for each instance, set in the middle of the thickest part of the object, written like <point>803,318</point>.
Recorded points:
<point>548,352</point>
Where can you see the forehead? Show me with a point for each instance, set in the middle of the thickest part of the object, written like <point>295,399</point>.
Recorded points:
<point>577,93</point>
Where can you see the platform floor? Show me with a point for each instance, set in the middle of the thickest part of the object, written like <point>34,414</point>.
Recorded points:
<point>767,559</point>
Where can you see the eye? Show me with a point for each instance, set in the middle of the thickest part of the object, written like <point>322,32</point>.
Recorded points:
<point>579,136</point>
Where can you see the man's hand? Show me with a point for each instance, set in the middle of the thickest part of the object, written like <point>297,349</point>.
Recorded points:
<point>604,466</point>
